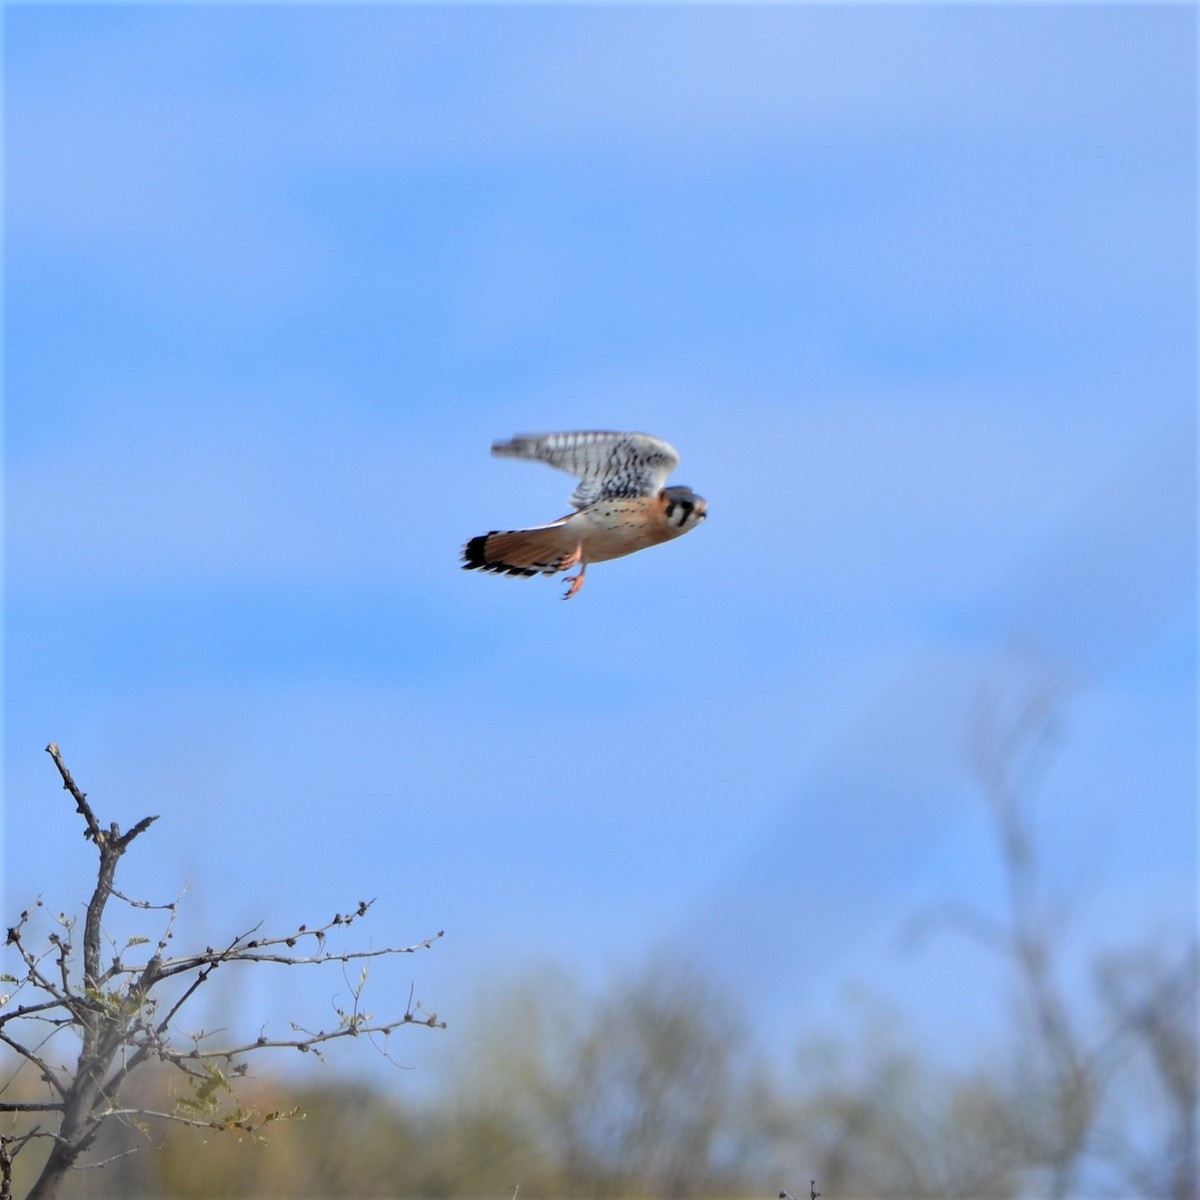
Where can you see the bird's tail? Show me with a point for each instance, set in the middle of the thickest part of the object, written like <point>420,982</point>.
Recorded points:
<point>542,551</point>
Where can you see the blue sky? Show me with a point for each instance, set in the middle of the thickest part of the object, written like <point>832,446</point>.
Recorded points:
<point>912,289</point>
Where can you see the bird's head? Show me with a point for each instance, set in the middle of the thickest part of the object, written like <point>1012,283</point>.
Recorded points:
<point>684,509</point>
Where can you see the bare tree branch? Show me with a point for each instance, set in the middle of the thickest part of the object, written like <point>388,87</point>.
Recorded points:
<point>113,1012</point>
<point>81,801</point>
<point>45,1071</point>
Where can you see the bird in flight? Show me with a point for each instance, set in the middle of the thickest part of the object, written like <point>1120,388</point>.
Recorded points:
<point>621,505</point>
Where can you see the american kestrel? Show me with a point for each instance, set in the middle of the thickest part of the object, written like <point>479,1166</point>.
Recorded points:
<point>621,505</point>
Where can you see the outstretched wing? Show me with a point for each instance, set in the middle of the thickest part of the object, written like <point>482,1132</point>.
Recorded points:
<point>606,464</point>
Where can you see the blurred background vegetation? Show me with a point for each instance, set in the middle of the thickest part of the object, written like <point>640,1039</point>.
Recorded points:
<point>649,1088</point>
<point>654,1084</point>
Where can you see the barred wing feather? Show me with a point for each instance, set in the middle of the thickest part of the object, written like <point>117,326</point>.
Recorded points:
<point>606,464</point>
